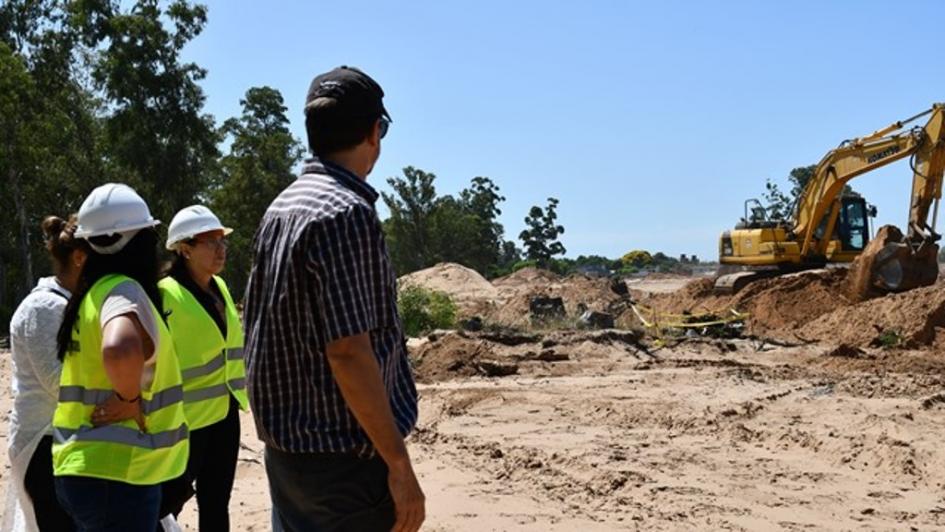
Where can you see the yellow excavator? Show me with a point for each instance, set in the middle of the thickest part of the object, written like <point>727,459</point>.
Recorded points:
<point>828,226</point>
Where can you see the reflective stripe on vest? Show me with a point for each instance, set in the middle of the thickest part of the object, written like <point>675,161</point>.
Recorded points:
<point>122,435</point>
<point>162,399</point>
<point>118,451</point>
<point>212,366</point>
<point>214,391</point>
<point>203,394</point>
<point>218,362</point>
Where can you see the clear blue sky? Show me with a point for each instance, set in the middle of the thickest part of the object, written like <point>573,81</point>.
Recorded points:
<point>652,122</point>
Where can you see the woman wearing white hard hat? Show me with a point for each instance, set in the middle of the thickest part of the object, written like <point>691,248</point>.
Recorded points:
<point>119,429</point>
<point>208,337</point>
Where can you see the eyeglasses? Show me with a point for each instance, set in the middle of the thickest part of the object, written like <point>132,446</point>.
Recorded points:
<point>384,126</point>
<point>214,243</point>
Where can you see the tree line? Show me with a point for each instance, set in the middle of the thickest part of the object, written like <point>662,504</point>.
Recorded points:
<point>96,91</point>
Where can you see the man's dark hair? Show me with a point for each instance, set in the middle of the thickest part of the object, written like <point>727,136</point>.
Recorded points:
<point>331,128</point>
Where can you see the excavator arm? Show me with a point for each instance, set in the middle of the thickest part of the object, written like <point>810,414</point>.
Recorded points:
<point>928,164</point>
<point>925,146</point>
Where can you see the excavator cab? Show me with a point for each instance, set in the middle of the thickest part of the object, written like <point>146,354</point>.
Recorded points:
<point>853,226</point>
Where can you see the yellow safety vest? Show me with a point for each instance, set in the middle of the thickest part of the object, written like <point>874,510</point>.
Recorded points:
<point>211,366</point>
<point>119,451</point>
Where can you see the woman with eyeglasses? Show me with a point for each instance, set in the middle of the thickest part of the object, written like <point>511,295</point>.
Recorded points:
<point>208,336</point>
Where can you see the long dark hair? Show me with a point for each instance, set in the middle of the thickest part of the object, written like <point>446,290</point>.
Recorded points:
<point>177,266</point>
<point>138,260</point>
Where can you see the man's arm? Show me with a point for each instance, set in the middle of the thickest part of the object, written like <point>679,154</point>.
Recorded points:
<point>358,376</point>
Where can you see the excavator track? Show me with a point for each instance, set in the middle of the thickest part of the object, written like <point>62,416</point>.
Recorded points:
<point>732,283</point>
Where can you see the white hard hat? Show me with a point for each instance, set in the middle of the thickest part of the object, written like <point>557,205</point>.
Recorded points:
<point>191,221</point>
<point>113,208</point>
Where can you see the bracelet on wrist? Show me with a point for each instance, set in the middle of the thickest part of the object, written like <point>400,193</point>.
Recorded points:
<point>123,400</point>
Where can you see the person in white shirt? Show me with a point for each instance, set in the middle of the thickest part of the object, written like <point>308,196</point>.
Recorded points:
<point>31,495</point>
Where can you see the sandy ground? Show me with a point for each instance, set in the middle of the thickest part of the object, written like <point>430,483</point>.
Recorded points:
<point>658,286</point>
<point>709,435</point>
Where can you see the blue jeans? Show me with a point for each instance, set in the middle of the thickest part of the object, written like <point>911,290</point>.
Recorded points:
<point>98,505</point>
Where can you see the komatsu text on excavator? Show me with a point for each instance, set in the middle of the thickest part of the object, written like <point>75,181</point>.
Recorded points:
<point>829,227</point>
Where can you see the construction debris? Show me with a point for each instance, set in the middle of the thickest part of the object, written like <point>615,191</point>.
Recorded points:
<point>543,309</point>
<point>592,319</point>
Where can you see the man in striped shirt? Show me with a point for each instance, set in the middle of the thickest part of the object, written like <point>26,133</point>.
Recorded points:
<point>327,370</point>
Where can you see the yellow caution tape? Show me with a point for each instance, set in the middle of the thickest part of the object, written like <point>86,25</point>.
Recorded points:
<point>673,319</point>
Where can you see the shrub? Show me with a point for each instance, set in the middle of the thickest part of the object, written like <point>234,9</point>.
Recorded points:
<point>522,264</point>
<point>889,338</point>
<point>422,310</point>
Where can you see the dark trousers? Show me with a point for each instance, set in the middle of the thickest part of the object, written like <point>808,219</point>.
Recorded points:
<point>42,490</point>
<point>211,468</point>
<point>98,505</point>
<point>331,492</point>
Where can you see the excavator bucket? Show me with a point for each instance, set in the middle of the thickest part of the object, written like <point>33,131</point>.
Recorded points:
<point>890,263</point>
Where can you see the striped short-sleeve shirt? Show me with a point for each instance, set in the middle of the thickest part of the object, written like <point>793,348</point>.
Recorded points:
<point>321,271</point>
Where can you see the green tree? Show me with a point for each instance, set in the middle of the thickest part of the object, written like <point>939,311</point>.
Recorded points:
<point>777,204</point>
<point>541,234</point>
<point>637,258</point>
<point>257,168</point>
<point>156,136</point>
<point>409,228</point>
<point>781,206</point>
<point>48,128</point>
<point>481,200</point>
<point>509,256</point>
<point>424,228</point>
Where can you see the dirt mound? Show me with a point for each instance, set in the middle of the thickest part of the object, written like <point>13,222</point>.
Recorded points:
<point>784,303</point>
<point>471,292</point>
<point>452,355</point>
<point>578,293</point>
<point>779,304</point>
<point>498,353</point>
<point>526,277</point>
<point>910,319</point>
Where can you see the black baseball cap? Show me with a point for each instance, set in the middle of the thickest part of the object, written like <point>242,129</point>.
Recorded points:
<point>356,92</point>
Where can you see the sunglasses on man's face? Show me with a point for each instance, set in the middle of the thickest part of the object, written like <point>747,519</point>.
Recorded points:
<point>385,124</point>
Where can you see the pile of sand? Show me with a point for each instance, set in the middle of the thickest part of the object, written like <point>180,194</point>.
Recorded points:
<point>471,292</point>
<point>525,279</point>
<point>910,319</point>
<point>783,304</point>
